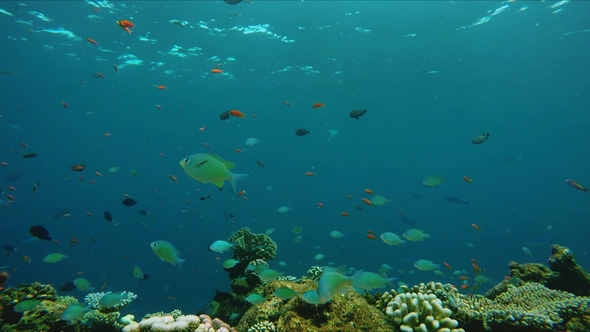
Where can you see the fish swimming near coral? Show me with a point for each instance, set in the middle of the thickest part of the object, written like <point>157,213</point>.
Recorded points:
<point>209,168</point>
<point>167,252</point>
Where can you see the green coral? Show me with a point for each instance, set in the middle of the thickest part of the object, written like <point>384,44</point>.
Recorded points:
<point>102,321</point>
<point>420,309</point>
<point>264,326</point>
<point>530,307</point>
<point>315,273</point>
<point>250,246</point>
<point>174,313</point>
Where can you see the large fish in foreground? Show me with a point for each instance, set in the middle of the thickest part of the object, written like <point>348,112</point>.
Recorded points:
<point>209,168</point>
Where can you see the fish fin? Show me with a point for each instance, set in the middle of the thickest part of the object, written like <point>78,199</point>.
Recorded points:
<point>234,178</point>
<point>228,164</point>
<point>180,261</point>
<point>219,184</point>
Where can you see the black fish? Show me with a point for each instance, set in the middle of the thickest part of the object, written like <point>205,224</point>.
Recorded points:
<point>204,198</point>
<point>143,212</point>
<point>107,216</point>
<point>145,276</point>
<point>232,2</point>
<point>68,286</point>
<point>8,247</point>
<point>358,208</point>
<point>224,116</point>
<point>455,200</point>
<point>40,232</point>
<point>405,219</point>
<point>30,155</point>
<point>480,138</point>
<point>356,114</point>
<point>221,296</point>
<point>129,201</point>
<point>301,132</point>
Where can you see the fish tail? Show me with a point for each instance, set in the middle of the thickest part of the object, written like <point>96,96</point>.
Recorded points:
<point>180,261</point>
<point>234,178</point>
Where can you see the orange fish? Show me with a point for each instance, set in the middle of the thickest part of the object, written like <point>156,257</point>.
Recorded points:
<point>476,269</point>
<point>125,24</point>
<point>576,185</point>
<point>345,214</point>
<point>467,179</point>
<point>320,205</point>
<point>173,178</point>
<point>310,173</point>
<point>64,104</point>
<point>238,151</point>
<point>465,286</point>
<point>237,113</point>
<point>75,240</point>
<point>447,265</point>
<point>10,198</point>
<point>216,70</point>
<point>318,105</point>
<point>160,87</point>
<point>463,278</point>
<point>366,201</point>
<point>241,193</point>
<point>92,41</point>
<point>371,236</point>
<point>369,191</point>
<point>476,227</point>
<point>78,168</point>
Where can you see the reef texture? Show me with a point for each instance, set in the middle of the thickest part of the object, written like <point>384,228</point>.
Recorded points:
<point>250,246</point>
<point>346,312</point>
<point>183,323</point>
<point>530,307</point>
<point>563,273</point>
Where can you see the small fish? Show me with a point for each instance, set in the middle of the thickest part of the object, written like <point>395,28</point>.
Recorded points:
<point>476,227</point>
<point>448,266</point>
<point>356,114</point>
<point>301,132</point>
<point>480,138</point>
<point>285,293</point>
<point>455,200</point>
<point>309,174</point>
<point>54,258</point>
<point>224,115</point>
<point>78,167</point>
<point>366,201</point>
<point>221,246</point>
<point>92,41</point>
<point>527,251</point>
<point>173,178</point>
<point>467,179</point>
<point>369,191</point>
<point>107,215</point>
<point>345,214</point>
<point>576,185</point>
<point>236,113</point>
<point>318,105</point>
<point>259,163</point>
<point>64,104</point>
<point>216,69</point>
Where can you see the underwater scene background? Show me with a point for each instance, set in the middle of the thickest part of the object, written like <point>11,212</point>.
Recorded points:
<point>430,75</point>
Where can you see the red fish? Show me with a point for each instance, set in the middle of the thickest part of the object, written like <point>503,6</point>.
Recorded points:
<point>467,179</point>
<point>92,41</point>
<point>318,105</point>
<point>237,114</point>
<point>216,70</point>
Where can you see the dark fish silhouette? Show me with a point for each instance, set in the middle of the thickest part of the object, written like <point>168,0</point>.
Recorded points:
<point>406,220</point>
<point>221,296</point>
<point>108,216</point>
<point>40,232</point>
<point>204,198</point>
<point>455,200</point>
<point>8,247</point>
<point>301,132</point>
<point>481,138</point>
<point>143,212</point>
<point>30,155</point>
<point>232,2</point>
<point>356,114</point>
<point>129,201</point>
<point>224,116</point>
<point>68,286</point>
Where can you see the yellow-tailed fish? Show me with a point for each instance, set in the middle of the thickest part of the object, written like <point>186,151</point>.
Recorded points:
<point>209,168</point>
<point>167,252</point>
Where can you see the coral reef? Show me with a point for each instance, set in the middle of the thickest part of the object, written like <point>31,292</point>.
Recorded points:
<point>315,273</point>
<point>264,326</point>
<point>346,312</point>
<point>156,322</point>
<point>530,307</point>
<point>122,300</point>
<point>249,246</point>
<point>563,273</point>
<point>419,309</point>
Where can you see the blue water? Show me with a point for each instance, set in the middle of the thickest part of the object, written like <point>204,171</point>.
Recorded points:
<point>432,75</point>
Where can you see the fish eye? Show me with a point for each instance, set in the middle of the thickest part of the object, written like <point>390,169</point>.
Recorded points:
<point>186,160</point>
